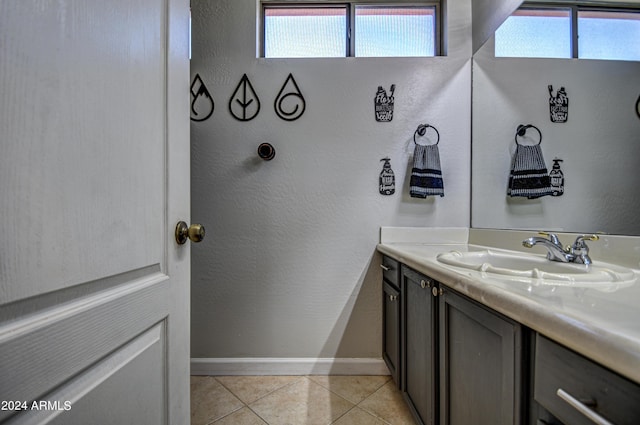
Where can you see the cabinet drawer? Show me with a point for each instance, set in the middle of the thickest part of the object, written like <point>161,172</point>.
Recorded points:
<point>390,270</point>
<point>579,391</point>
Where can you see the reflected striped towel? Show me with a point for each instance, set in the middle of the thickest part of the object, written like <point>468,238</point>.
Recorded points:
<point>426,175</point>
<point>529,176</point>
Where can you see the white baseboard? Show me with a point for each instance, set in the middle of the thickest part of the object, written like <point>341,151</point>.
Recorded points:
<point>287,366</point>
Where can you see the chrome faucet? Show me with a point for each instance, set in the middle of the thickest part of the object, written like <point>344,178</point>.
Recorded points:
<point>576,253</point>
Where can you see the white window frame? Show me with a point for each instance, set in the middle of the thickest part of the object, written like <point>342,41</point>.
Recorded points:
<point>351,17</point>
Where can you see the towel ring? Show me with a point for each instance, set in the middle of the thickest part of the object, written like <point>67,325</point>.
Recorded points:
<point>422,130</point>
<point>522,129</point>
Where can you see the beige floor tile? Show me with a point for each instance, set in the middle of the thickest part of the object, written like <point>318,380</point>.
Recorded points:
<point>357,416</point>
<point>251,388</point>
<point>243,416</point>
<point>388,404</point>
<point>210,400</point>
<point>302,403</point>
<point>353,388</point>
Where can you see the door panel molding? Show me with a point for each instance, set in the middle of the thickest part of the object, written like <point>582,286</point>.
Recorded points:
<point>92,378</point>
<point>41,351</point>
<point>40,303</point>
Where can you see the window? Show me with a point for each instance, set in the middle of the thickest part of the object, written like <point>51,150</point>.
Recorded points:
<point>609,35</point>
<point>364,29</point>
<point>395,31</point>
<point>295,32</point>
<point>570,32</point>
<point>535,33</point>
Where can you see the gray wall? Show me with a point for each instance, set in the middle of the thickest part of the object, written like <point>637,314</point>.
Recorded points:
<point>289,268</point>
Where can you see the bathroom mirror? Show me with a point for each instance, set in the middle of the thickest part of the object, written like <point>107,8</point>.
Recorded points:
<point>599,144</point>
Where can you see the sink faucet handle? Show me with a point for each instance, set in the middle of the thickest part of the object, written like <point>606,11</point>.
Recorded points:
<point>580,240</point>
<point>552,237</point>
<point>581,250</point>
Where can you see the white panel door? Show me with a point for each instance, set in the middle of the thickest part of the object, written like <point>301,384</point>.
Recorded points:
<point>94,176</point>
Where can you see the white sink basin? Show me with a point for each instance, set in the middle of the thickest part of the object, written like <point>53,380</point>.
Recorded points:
<point>521,265</point>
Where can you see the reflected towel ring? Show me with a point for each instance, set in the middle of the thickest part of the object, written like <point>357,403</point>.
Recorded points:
<point>521,131</point>
<point>422,130</point>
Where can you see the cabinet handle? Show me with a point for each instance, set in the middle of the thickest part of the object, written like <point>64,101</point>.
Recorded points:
<point>582,407</point>
<point>437,291</point>
<point>393,297</point>
<point>426,283</point>
<point>385,268</point>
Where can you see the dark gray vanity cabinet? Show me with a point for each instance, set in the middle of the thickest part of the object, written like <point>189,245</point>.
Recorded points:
<point>419,340</point>
<point>462,362</point>
<point>391,348</point>
<point>576,391</point>
<point>480,363</point>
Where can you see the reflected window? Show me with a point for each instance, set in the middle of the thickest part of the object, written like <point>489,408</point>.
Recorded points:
<point>609,35</point>
<point>570,32</point>
<point>535,33</point>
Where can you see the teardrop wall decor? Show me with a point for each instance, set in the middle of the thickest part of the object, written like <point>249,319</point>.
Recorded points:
<point>201,101</point>
<point>290,104</point>
<point>244,104</point>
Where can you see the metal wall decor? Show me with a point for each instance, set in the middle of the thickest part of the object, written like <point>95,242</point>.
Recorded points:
<point>387,178</point>
<point>383,104</point>
<point>289,104</point>
<point>244,104</point>
<point>201,101</point>
<point>558,105</point>
<point>556,177</point>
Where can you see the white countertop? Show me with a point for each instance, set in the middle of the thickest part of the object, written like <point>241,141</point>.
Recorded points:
<point>603,326</point>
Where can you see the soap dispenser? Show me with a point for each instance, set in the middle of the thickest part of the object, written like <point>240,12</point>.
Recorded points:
<point>557,178</point>
<point>387,178</point>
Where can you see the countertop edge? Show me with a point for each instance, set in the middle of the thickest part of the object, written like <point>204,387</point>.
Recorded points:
<point>606,347</point>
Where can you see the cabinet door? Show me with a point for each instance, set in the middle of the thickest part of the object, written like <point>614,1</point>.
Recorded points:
<point>419,342</point>
<point>480,363</point>
<point>391,335</point>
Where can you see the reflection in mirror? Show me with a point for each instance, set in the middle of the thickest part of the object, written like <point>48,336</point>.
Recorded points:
<point>487,15</point>
<point>599,143</point>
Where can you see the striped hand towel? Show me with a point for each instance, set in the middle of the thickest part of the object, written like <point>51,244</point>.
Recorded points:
<point>426,175</point>
<point>528,176</point>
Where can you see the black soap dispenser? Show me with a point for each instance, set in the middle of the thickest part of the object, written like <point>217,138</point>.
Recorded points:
<point>557,178</point>
<point>387,178</point>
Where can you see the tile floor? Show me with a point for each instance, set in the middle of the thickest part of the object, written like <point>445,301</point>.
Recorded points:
<point>297,400</point>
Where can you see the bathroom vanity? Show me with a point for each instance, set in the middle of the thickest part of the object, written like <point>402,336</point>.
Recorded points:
<point>471,346</point>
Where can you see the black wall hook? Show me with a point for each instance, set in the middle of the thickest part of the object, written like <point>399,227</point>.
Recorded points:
<point>266,151</point>
<point>422,130</point>
<point>522,130</point>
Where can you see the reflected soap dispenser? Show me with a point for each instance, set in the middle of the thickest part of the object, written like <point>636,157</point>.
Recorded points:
<point>557,178</point>
<point>387,178</point>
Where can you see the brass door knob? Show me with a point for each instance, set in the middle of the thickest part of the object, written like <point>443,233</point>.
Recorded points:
<point>195,232</point>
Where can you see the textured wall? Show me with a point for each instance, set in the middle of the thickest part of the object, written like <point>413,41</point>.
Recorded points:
<point>598,143</point>
<point>289,266</point>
